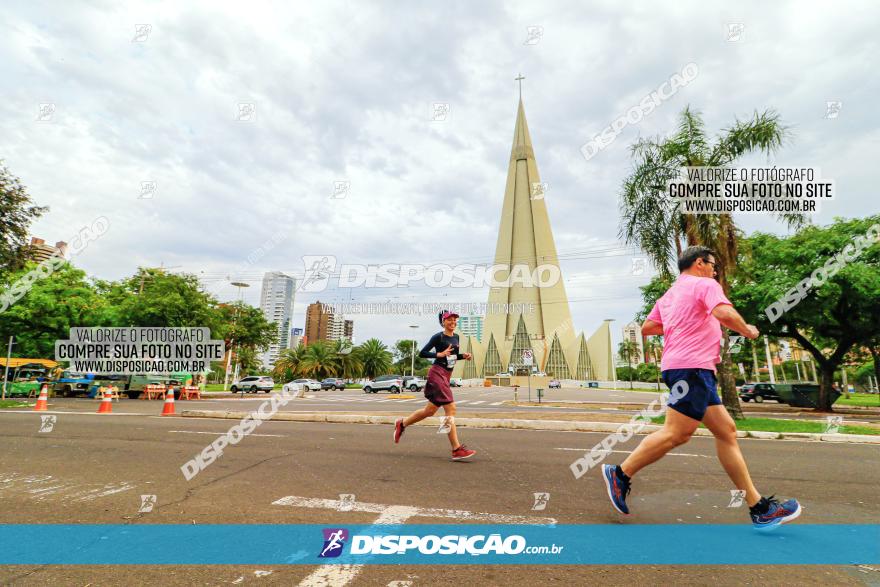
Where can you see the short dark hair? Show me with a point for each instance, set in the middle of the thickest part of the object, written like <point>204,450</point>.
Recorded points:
<point>690,255</point>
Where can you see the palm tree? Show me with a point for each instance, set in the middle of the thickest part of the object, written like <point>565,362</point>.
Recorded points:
<point>627,349</point>
<point>287,367</point>
<point>375,358</point>
<point>657,225</point>
<point>655,349</point>
<point>320,360</point>
<point>348,360</point>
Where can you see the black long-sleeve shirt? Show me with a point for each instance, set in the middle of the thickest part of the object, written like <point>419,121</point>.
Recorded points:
<point>439,343</point>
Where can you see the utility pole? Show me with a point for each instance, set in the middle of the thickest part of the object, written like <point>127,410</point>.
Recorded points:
<point>8,358</point>
<point>769,361</point>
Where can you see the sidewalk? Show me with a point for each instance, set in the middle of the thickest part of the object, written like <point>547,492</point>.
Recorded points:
<point>609,423</point>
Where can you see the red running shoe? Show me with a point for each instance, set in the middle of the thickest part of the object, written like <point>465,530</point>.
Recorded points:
<point>462,453</point>
<point>398,430</point>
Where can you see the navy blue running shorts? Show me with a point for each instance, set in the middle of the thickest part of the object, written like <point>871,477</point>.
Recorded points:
<point>702,391</point>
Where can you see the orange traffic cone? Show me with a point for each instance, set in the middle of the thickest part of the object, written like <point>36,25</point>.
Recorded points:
<point>168,408</point>
<point>106,406</point>
<point>43,401</point>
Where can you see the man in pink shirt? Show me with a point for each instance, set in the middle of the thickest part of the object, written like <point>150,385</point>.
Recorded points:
<point>689,316</point>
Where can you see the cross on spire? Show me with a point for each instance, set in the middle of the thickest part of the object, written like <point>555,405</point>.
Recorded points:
<point>520,78</point>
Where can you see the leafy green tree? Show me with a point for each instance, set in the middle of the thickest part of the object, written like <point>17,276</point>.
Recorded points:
<point>16,214</point>
<point>51,307</point>
<point>404,353</point>
<point>658,226</point>
<point>157,298</point>
<point>375,358</point>
<point>629,352</point>
<point>830,318</point>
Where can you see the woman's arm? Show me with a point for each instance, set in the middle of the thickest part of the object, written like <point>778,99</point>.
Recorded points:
<point>427,352</point>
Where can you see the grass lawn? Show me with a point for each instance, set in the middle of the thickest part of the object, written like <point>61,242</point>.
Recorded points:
<point>13,403</point>
<point>860,399</point>
<point>775,425</point>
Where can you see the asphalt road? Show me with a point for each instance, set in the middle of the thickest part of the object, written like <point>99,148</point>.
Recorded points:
<point>94,469</point>
<point>471,401</point>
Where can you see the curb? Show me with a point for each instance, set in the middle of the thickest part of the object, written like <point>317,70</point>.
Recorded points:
<point>516,424</point>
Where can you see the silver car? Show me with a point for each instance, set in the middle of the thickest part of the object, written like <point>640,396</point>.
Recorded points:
<point>253,384</point>
<point>390,383</point>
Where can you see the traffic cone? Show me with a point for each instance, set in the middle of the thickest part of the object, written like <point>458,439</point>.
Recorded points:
<point>106,406</point>
<point>168,408</point>
<point>43,401</point>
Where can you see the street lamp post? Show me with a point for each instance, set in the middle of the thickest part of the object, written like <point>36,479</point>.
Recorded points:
<point>239,285</point>
<point>412,354</point>
<point>611,352</point>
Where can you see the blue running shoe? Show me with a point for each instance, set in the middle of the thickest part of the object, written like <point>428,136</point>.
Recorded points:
<point>776,514</point>
<point>618,489</point>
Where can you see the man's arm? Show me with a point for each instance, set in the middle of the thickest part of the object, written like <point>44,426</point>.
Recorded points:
<point>729,317</point>
<point>651,328</point>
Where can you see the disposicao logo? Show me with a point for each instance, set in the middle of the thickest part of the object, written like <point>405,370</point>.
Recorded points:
<point>334,541</point>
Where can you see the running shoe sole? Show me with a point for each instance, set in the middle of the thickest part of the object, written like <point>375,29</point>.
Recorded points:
<point>394,432</point>
<point>607,479</point>
<point>463,458</point>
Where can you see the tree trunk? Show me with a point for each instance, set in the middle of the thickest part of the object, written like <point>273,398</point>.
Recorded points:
<point>826,379</point>
<point>727,381</point>
<point>875,354</point>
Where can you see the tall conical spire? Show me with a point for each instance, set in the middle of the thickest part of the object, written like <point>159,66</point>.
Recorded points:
<point>525,238</point>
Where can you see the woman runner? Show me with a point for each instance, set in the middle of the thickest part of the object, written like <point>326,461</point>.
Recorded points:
<point>443,348</point>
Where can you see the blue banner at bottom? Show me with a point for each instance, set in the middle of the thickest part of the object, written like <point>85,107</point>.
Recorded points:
<point>452,544</point>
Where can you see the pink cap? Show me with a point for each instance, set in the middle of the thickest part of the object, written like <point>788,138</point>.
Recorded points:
<point>446,314</point>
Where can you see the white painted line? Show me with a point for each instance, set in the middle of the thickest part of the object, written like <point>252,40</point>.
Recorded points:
<point>222,433</point>
<point>359,506</point>
<point>496,403</point>
<point>479,402</point>
<point>626,452</point>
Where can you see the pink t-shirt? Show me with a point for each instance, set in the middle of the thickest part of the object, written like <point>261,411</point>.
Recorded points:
<point>691,334</point>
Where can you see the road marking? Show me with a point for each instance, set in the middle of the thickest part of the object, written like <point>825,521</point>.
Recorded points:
<point>378,508</point>
<point>479,402</point>
<point>626,452</point>
<point>496,403</point>
<point>222,433</point>
<point>338,575</point>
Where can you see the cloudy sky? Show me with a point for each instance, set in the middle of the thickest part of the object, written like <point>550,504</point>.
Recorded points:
<point>344,92</point>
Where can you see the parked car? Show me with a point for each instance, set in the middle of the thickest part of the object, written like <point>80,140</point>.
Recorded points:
<point>554,384</point>
<point>253,384</point>
<point>758,392</point>
<point>413,383</point>
<point>455,382</point>
<point>309,384</point>
<point>70,384</point>
<point>390,383</point>
<point>293,387</point>
<point>333,383</point>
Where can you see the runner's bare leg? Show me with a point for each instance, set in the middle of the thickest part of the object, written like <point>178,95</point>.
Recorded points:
<point>722,426</point>
<point>419,415</point>
<point>676,431</point>
<point>453,434</point>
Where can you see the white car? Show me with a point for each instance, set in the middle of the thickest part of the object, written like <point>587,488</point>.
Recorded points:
<point>293,388</point>
<point>309,384</point>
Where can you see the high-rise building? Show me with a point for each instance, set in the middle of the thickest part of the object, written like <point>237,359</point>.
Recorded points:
<point>632,332</point>
<point>40,251</point>
<point>471,326</point>
<point>276,302</point>
<point>296,337</point>
<point>525,245</point>
<point>323,323</point>
<point>318,319</point>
